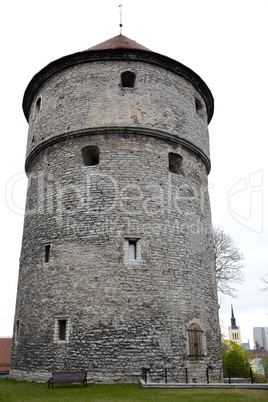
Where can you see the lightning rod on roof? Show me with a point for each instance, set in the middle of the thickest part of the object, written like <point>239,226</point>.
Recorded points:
<point>120,7</point>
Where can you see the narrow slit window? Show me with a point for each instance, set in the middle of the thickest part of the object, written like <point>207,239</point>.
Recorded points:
<point>175,163</point>
<point>62,330</point>
<point>47,253</point>
<point>128,79</point>
<point>90,155</point>
<point>17,330</point>
<point>198,107</point>
<point>38,105</point>
<point>132,249</point>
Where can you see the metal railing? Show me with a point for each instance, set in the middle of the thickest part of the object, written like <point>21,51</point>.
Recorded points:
<point>145,371</point>
<point>239,372</point>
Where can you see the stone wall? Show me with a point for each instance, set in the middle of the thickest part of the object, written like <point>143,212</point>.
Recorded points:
<point>89,96</point>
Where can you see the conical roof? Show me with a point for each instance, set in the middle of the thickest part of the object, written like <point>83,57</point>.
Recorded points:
<point>119,42</point>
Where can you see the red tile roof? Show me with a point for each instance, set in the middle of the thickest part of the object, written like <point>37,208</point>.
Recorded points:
<point>5,353</point>
<point>259,353</point>
<point>119,42</point>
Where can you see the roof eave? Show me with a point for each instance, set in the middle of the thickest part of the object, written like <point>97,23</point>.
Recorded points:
<point>116,54</point>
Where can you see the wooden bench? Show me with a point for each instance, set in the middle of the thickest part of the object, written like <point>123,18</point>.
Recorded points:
<point>68,377</point>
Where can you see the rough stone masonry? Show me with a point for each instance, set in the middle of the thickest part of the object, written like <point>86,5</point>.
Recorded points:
<point>117,269</point>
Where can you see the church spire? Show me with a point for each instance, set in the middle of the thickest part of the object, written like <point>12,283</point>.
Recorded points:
<point>233,323</point>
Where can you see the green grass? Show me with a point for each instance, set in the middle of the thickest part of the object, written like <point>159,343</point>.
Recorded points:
<point>12,390</point>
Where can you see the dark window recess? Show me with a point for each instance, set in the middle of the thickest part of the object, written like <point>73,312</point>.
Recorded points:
<point>175,163</point>
<point>62,330</point>
<point>198,106</point>
<point>38,105</point>
<point>132,249</point>
<point>90,155</point>
<point>47,253</point>
<point>17,330</point>
<point>128,79</point>
<point>195,342</point>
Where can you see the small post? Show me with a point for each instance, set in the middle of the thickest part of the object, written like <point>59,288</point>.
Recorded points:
<point>166,375</point>
<point>251,376</point>
<point>207,376</point>
<point>229,375</point>
<point>186,374</point>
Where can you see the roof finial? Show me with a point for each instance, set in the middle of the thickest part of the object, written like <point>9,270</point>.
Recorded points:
<point>120,6</point>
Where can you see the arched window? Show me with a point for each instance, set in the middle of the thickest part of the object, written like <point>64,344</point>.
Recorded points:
<point>195,342</point>
<point>38,105</point>
<point>90,155</point>
<point>175,163</point>
<point>198,107</point>
<point>128,79</point>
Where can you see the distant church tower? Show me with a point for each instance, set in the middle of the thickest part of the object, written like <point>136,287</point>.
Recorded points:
<point>234,330</point>
<point>117,270</point>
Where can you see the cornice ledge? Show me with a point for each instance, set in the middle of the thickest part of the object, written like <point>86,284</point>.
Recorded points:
<point>121,131</point>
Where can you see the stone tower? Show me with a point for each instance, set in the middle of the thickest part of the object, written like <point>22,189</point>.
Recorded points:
<point>117,270</point>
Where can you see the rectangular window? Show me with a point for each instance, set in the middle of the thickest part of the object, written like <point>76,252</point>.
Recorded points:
<point>47,253</point>
<point>62,330</point>
<point>132,249</point>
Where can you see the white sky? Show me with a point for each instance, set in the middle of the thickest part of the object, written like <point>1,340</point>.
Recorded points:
<point>225,42</point>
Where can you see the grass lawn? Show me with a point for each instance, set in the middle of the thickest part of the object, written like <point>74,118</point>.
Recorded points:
<point>12,390</point>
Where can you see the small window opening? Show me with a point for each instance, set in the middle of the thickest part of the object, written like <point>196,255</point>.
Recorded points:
<point>62,330</point>
<point>38,105</point>
<point>198,106</point>
<point>17,330</point>
<point>90,155</point>
<point>175,163</point>
<point>128,79</point>
<point>132,249</point>
<point>195,342</point>
<point>47,253</point>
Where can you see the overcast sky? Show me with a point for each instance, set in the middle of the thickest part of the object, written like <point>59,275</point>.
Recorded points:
<point>225,42</point>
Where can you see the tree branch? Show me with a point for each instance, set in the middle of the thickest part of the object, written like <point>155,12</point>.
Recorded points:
<point>229,262</point>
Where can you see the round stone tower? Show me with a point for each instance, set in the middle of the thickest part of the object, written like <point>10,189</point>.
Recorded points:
<point>117,270</point>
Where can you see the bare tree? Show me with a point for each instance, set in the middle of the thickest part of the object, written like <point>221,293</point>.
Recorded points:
<point>265,280</point>
<point>229,262</point>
